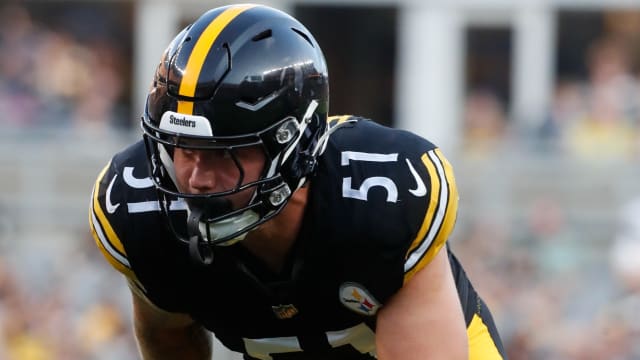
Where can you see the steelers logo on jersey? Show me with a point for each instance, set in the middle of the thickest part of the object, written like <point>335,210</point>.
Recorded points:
<point>355,297</point>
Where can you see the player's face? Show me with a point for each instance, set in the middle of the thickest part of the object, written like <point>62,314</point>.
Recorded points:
<point>212,171</point>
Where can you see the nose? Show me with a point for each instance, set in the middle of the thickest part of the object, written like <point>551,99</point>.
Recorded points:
<point>203,177</point>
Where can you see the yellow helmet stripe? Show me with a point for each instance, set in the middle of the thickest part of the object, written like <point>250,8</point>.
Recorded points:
<point>200,52</point>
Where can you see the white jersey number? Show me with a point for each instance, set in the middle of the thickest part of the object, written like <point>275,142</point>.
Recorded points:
<point>361,337</point>
<point>361,193</point>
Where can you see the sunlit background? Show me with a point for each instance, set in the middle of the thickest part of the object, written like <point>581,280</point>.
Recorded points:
<point>536,104</point>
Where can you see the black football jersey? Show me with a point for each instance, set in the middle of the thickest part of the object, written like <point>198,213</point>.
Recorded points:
<point>382,202</point>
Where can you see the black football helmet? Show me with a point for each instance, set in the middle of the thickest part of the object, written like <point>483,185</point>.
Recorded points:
<point>239,76</point>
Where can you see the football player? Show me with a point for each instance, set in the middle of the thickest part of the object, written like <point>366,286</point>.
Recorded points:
<point>246,212</point>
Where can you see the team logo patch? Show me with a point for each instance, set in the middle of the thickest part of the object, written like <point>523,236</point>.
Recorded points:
<point>284,311</point>
<point>355,297</point>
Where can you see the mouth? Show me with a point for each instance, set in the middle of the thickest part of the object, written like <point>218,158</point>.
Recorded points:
<point>208,209</point>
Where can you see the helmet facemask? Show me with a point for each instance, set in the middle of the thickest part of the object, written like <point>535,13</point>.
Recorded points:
<point>289,147</point>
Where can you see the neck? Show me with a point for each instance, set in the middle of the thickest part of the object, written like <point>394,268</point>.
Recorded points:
<point>273,240</point>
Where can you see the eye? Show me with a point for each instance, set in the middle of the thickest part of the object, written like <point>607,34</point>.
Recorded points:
<point>250,154</point>
<point>187,151</point>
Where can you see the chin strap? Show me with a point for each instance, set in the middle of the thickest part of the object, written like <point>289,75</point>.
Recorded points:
<point>202,255</point>
<point>199,254</point>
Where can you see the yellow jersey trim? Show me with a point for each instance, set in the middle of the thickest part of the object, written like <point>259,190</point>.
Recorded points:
<point>103,234</point>
<point>481,345</point>
<point>337,119</point>
<point>440,217</point>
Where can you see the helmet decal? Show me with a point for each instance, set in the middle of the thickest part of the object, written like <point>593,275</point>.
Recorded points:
<point>185,124</point>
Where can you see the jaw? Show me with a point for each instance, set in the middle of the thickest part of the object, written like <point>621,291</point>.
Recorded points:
<point>273,240</point>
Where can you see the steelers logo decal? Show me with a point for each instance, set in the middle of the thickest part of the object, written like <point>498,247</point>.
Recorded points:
<point>356,298</point>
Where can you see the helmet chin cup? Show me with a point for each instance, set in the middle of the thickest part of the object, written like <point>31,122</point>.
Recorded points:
<point>204,231</point>
<point>226,227</point>
<point>199,242</point>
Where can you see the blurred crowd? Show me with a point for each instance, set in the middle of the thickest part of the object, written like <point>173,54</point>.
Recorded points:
<point>594,116</point>
<point>53,77</point>
<point>60,303</point>
<point>564,283</point>
<point>558,291</point>
<point>561,286</point>
<point>57,299</point>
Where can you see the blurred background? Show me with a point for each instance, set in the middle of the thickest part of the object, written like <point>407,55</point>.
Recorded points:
<point>535,103</point>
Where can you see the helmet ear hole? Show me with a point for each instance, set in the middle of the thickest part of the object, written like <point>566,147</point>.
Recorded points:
<point>287,131</point>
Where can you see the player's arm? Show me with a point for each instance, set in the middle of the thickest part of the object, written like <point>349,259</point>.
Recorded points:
<point>424,319</point>
<point>165,335</point>
<point>160,334</point>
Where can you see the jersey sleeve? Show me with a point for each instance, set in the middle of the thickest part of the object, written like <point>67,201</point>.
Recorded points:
<point>439,214</point>
<point>399,198</point>
<point>105,217</point>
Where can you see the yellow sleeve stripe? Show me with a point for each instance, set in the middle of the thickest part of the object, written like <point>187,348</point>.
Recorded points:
<point>481,344</point>
<point>440,217</point>
<point>433,202</point>
<point>337,119</point>
<point>104,235</point>
<point>121,265</point>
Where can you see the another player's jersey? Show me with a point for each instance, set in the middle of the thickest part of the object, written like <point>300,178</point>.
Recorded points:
<point>381,204</point>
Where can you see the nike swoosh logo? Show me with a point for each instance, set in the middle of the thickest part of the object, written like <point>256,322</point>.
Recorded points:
<point>420,190</point>
<point>111,208</point>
